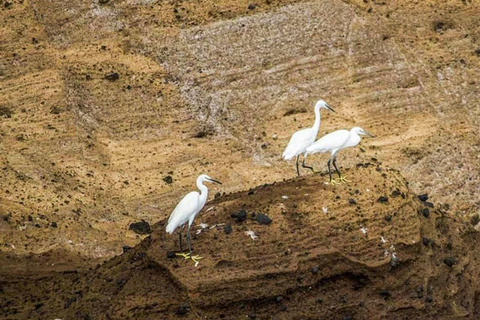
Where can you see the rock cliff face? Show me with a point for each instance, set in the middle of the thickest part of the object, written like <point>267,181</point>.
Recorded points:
<point>330,252</point>
<point>104,102</point>
<point>109,110</point>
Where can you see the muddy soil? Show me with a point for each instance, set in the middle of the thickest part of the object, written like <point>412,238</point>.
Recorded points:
<point>329,252</point>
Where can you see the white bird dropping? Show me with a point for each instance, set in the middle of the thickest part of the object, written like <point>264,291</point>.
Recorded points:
<point>300,140</point>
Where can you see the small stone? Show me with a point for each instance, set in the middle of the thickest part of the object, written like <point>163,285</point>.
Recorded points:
<point>38,306</point>
<point>352,201</point>
<point>141,227</point>
<point>182,310</point>
<point>53,224</point>
<point>426,212</point>
<point>264,146</point>
<point>250,192</point>
<point>388,217</point>
<point>477,52</point>
<point>428,204</point>
<point>112,76</point>
<point>239,216</point>
<point>315,270</point>
<point>168,179</point>
<point>419,291</point>
<point>385,294</point>
<point>396,193</point>
<point>450,261</point>
<point>274,137</point>
<point>228,228</point>
<point>278,299</point>
<point>383,199</point>
<point>423,197</point>
<point>426,241</point>
<point>126,248</point>
<point>263,219</point>
<point>475,219</point>
<point>251,6</point>
<point>171,254</point>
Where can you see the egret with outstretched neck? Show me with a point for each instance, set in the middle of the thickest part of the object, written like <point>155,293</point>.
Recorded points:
<point>188,208</point>
<point>300,140</point>
<point>334,142</point>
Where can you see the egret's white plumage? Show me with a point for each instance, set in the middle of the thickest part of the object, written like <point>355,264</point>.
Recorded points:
<point>334,142</point>
<point>188,208</point>
<point>300,140</point>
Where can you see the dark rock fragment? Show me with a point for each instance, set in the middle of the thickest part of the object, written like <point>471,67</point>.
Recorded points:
<point>171,255</point>
<point>112,76</point>
<point>251,6</point>
<point>239,216</point>
<point>423,197</point>
<point>450,261</point>
<point>426,212</point>
<point>263,219</point>
<point>141,227</point>
<point>352,201</point>
<point>383,199</point>
<point>126,248</point>
<point>168,179</point>
<point>228,228</point>
<point>427,204</point>
<point>475,219</point>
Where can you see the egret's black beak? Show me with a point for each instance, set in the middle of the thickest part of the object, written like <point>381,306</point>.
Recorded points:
<point>211,180</point>
<point>329,108</point>
<point>369,134</point>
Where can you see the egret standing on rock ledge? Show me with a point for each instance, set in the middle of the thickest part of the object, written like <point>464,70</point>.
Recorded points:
<point>334,142</point>
<point>300,140</point>
<point>188,208</point>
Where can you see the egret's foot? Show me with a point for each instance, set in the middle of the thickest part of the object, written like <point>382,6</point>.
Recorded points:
<point>342,179</point>
<point>186,256</point>
<point>196,258</point>
<point>333,182</point>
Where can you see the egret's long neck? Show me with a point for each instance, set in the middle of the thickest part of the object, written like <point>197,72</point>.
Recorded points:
<point>354,138</point>
<point>316,124</point>
<point>203,191</point>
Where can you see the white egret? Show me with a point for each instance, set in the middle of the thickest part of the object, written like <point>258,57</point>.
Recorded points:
<point>188,208</point>
<point>334,142</point>
<point>300,140</point>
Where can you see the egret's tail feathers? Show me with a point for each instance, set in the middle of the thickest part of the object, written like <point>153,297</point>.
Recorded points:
<point>287,155</point>
<point>170,228</point>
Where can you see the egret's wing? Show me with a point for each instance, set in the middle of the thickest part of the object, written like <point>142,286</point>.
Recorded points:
<point>331,141</point>
<point>299,141</point>
<point>182,212</point>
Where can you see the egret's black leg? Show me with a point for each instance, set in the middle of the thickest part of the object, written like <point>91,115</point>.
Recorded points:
<point>329,173</point>
<point>335,165</point>
<point>304,165</point>
<point>298,171</point>
<point>181,247</point>
<point>189,238</point>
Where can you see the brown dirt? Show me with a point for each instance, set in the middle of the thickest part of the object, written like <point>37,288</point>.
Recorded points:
<point>218,87</point>
<point>306,264</point>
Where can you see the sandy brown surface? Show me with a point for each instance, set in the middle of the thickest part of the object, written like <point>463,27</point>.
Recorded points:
<point>218,87</point>
<point>312,261</point>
